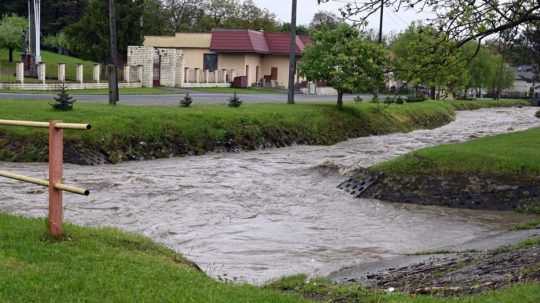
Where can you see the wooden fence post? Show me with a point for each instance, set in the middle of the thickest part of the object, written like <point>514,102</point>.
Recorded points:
<point>56,163</point>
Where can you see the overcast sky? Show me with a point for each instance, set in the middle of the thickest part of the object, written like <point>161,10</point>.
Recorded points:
<point>393,22</point>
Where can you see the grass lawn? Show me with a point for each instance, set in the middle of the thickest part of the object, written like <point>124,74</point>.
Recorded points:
<point>94,265</point>
<point>202,128</point>
<point>106,265</point>
<point>515,154</point>
<point>325,291</point>
<point>7,69</point>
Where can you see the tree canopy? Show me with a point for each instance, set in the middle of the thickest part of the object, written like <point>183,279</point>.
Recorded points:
<point>423,56</point>
<point>12,29</point>
<point>462,20</point>
<point>345,59</point>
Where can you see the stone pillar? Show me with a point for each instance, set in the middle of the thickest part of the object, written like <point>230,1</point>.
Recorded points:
<point>80,73</point>
<point>62,72</point>
<point>20,72</point>
<point>206,76</point>
<point>224,76</point>
<point>97,73</point>
<point>186,74</point>
<point>127,73</point>
<point>140,73</point>
<point>41,72</point>
<point>196,75</point>
<point>233,75</point>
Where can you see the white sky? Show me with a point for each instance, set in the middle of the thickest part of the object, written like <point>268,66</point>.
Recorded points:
<point>393,22</point>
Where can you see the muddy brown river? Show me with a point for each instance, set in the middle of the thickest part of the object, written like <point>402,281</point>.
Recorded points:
<point>256,216</point>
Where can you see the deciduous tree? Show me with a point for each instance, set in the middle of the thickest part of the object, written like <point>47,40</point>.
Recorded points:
<point>345,60</point>
<point>462,20</point>
<point>12,29</point>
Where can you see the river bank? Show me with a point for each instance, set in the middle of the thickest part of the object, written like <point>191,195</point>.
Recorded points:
<point>125,133</point>
<point>93,264</point>
<point>500,172</point>
<point>257,216</point>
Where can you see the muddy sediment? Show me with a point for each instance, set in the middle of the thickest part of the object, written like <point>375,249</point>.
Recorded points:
<point>459,191</point>
<point>462,273</point>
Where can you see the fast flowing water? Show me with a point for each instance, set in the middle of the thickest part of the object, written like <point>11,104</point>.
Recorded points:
<point>255,216</point>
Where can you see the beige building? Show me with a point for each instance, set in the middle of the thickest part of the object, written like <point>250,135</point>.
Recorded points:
<point>246,57</point>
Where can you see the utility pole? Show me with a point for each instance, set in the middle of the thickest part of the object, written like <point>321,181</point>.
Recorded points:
<point>113,67</point>
<point>381,22</point>
<point>33,57</point>
<point>292,54</point>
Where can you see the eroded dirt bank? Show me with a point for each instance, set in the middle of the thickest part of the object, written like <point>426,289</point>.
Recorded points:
<point>454,272</point>
<point>459,190</point>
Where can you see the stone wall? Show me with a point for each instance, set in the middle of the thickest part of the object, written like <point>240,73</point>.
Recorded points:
<point>170,59</point>
<point>143,56</point>
<point>69,86</point>
<point>459,191</point>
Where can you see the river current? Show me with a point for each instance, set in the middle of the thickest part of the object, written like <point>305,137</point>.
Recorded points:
<point>257,216</point>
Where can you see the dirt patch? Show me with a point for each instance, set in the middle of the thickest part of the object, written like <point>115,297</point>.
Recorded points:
<point>462,273</point>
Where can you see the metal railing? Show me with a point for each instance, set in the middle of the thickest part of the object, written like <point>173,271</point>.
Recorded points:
<point>56,170</point>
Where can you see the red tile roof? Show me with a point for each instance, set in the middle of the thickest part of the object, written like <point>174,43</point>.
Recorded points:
<point>249,41</point>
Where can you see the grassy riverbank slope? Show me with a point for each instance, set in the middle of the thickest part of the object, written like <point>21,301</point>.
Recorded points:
<point>499,172</point>
<point>130,133</point>
<point>512,155</point>
<point>93,264</point>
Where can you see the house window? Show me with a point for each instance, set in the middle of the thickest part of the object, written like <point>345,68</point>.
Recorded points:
<point>210,62</point>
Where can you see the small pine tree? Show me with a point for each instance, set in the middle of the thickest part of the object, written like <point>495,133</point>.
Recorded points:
<point>358,99</point>
<point>64,101</point>
<point>235,101</point>
<point>186,101</point>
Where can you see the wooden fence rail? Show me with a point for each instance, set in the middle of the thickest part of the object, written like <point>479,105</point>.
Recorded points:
<point>56,169</point>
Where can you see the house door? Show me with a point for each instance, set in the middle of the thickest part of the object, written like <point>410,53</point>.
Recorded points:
<point>157,69</point>
<point>274,73</point>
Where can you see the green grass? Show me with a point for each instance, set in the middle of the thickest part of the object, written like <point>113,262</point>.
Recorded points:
<point>533,224</point>
<point>51,60</point>
<point>230,90</point>
<point>106,265</point>
<point>515,154</point>
<point>323,290</point>
<point>202,128</point>
<point>199,129</point>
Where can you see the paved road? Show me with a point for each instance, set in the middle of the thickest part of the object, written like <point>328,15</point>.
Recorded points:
<point>204,98</point>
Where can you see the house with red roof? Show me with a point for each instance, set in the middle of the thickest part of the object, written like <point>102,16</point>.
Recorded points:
<point>225,55</point>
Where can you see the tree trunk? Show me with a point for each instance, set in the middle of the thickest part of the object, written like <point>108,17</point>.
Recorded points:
<point>11,55</point>
<point>432,93</point>
<point>340,99</point>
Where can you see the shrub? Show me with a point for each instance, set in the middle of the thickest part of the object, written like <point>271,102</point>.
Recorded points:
<point>186,101</point>
<point>389,100</point>
<point>358,99</point>
<point>400,100</point>
<point>64,101</point>
<point>235,101</point>
<point>375,99</point>
<point>538,114</point>
<point>412,99</point>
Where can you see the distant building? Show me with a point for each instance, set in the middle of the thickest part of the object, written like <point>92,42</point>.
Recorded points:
<point>223,56</point>
<point>525,80</point>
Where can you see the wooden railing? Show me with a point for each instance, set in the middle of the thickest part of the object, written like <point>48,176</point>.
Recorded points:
<point>56,170</point>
